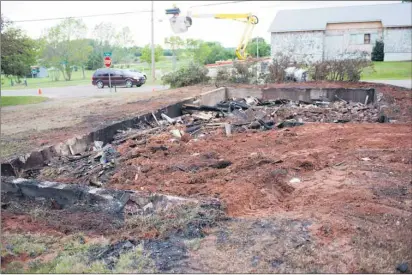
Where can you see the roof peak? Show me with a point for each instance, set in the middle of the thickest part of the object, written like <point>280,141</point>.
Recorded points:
<point>390,14</point>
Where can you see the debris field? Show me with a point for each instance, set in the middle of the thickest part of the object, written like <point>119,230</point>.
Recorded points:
<point>308,186</point>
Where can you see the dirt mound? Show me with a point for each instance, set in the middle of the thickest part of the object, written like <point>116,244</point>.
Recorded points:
<point>262,164</point>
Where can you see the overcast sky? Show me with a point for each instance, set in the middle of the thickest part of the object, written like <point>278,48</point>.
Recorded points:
<point>225,31</point>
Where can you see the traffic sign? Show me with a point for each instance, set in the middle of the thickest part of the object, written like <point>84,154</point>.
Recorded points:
<point>107,54</point>
<point>107,61</point>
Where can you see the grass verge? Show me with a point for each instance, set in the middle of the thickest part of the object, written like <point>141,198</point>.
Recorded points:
<point>388,70</point>
<point>20,100</point>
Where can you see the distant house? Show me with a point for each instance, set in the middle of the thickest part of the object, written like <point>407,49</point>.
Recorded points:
<point>39,72</point>
<point>327,33</point>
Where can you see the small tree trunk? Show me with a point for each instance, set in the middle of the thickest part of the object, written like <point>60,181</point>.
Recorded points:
<point>63,70</point>
<point>68,73</point>
<point>84,76</point>
<point>174,62</point>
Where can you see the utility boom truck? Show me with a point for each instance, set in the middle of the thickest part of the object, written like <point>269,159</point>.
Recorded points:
<point>181,24</point>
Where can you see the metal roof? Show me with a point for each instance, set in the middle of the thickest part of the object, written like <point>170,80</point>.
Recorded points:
<point>391,15</point>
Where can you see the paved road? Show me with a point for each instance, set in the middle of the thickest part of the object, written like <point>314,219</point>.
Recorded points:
<point>407,83</point>
<point>80,91</point>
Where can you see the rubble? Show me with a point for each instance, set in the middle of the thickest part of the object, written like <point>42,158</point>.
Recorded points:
<point>96,166</point>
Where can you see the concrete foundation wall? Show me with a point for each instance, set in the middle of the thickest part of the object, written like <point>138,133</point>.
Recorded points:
<point>213,97</point>
<point>242,93</point>
<point>398,56</point>
<point>329,94</point>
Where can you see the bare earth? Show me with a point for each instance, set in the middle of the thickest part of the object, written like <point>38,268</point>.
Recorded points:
<point>24,128</point>
<point>350,212</point>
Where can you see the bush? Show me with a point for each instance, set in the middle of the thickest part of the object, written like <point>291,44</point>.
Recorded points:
<point>378,53</point>
<point>346,69</point>
<point>223,76</point>
<point>278,66</point>
<point>242,72</point>
<point>186,76</point>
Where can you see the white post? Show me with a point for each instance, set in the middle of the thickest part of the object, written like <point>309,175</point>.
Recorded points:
<point>110,82</point>
<point>153,49</point>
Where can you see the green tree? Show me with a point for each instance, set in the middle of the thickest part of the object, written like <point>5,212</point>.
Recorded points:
<point>62,48</point>
<point>378,53</point>
<point>81,57</point>
<point>217,53</point>
<point>123,40</point>
<point>258,43</point>
<point>18,51</point>
<point>105,34</point>
<point>147,53</point>
<point>175,43</point>
<point>197,50</point>
<point>95,58</point>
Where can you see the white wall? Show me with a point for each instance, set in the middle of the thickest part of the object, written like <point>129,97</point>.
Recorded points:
<point>398,44</point>
<point>352,37</point>
<point>301,45</point>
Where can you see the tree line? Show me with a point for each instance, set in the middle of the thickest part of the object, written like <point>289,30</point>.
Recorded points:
<point>64,46</point>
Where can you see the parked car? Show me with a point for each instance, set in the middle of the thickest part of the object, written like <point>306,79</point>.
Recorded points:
<point>136,71</point>
<point>117,78</point>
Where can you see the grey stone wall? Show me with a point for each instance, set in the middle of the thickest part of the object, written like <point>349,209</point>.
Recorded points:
<point>301,45</point>
<point>346,46</point>
<point>398,44</point>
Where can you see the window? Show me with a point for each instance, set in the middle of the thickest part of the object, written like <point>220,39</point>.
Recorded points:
<point>353,38</point>
<point>367,38</point>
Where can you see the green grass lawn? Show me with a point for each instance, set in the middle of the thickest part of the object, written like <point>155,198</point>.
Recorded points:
<point>162,67</point>
<point>36,83</point>
<point>389,70</point>
<point>20,100</point>
<point>382,70</point>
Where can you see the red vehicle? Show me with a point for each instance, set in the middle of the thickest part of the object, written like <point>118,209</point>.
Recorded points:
<point>117,78</point>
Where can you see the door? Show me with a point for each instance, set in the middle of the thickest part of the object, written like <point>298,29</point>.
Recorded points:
<point>333,46</point>
<point>117,77</point>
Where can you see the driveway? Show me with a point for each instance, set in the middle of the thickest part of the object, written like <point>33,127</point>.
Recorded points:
<point>407,83</point>
<point>81,91</point>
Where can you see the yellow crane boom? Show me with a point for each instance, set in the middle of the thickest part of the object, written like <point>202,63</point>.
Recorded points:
<point>182,23</point>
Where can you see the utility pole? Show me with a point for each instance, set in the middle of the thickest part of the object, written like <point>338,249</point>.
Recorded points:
<point>257,47</point>
<point>257,55</point>
<point>153,49</point>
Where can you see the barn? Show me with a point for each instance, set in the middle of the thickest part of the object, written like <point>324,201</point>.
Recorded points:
<point>329,33</point>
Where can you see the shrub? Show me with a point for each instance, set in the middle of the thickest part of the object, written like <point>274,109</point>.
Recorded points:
<point>242,72</point>
<point>378,53</point>
<point>223,76</point>
<point>186,76</point>
<point>276,70</point>
<point>348,68</point>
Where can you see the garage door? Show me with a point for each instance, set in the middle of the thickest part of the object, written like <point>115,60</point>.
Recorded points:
<point>333,46</point>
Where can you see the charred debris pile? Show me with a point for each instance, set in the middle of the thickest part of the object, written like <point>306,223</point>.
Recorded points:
<point>97,165</point>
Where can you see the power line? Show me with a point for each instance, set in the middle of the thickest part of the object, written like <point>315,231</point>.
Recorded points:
<point>84,16</point>
<point>217,4</point>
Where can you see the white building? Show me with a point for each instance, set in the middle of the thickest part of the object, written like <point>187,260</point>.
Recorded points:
<point>327,33</point>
